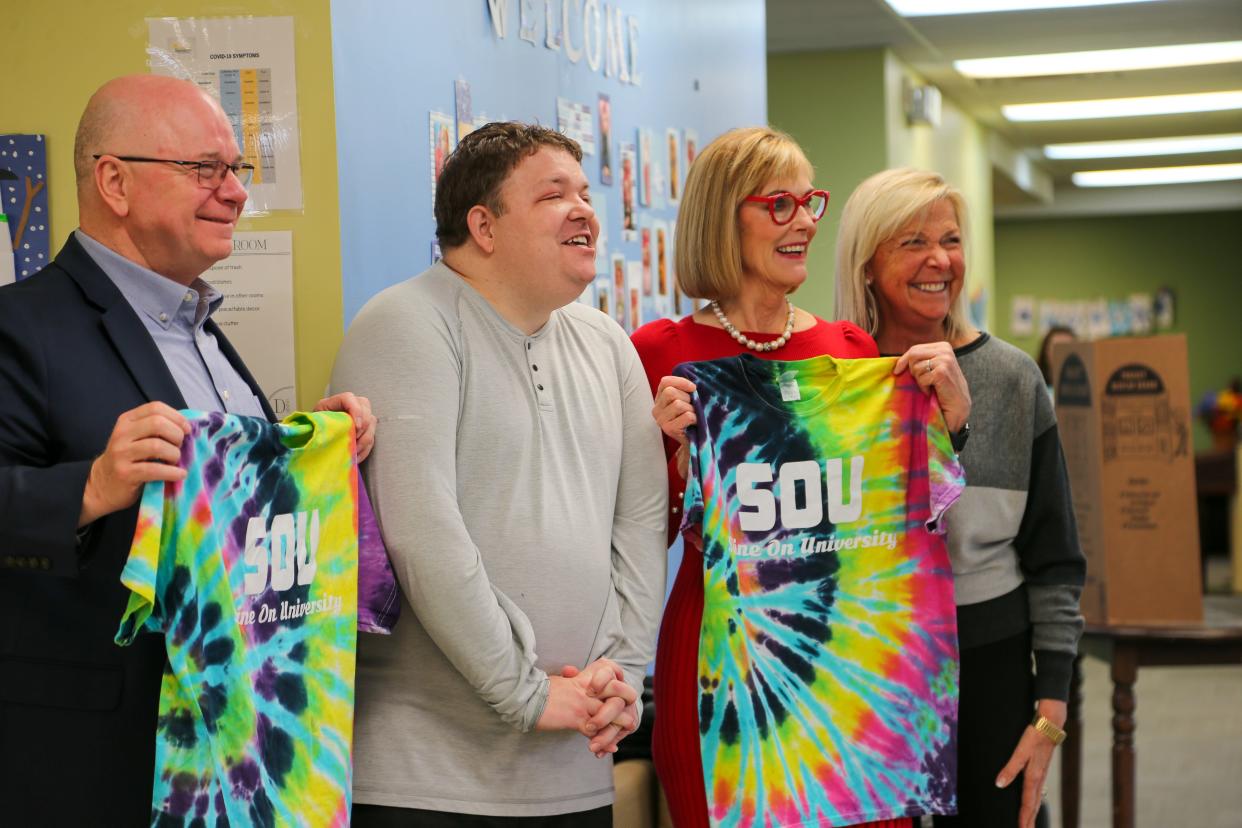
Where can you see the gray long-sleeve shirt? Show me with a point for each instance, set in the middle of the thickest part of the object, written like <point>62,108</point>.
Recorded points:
<point>1012,537</point>
<point>519,484</point>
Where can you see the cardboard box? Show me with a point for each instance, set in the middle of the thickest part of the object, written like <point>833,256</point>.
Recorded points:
<point>1123,412</point>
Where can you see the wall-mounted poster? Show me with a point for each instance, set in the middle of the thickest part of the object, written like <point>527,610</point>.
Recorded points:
<point>603,296</point>
<point>465,116</point>
<point>1165,308</point>
<point>646,162</point>
<point>573,120</point>
<point>600,205</point>
<point>636,310</point>
<point>1059,314</point>
<point>646,247</point>
<point>1141,313</point>
<point>257,313</point>
<point>1022,320</point>
<point>634,279</point>
<point>661,258</point>
<point>247,63</point>
<point>617,269</point>
<point>629,176</point>
<point>620,293</point>
<point>674,166</point>
<point>692,146</point>
<point>24,194</point>
<point>1099,325</point>
<point>1119,317</point>
<point>605,140</point>
<point>442,143</point>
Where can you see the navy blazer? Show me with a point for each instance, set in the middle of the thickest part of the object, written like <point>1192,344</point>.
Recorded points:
<point>77,712</point>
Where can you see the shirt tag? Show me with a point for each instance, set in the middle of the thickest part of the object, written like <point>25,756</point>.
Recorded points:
<point>789,386</point>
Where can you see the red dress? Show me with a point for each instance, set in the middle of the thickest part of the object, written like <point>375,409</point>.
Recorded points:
<point>661,345</point>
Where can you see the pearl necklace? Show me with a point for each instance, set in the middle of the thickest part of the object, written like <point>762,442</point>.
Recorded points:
<point>743,339</point>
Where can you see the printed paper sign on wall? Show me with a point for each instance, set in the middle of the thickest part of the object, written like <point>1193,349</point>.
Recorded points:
<point>247,63</point>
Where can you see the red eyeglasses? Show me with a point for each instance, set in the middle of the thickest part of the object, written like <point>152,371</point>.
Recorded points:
<point>783,206</point>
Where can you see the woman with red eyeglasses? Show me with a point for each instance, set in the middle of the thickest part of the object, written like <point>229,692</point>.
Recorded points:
<point>748,215</point>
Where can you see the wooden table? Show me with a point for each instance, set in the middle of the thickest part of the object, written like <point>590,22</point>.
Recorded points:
<point>1126,649</point>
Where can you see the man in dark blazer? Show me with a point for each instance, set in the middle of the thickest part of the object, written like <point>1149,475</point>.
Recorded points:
<point>97,353</point>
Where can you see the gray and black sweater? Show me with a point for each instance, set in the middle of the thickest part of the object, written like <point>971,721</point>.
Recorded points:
<point>1012,537</point>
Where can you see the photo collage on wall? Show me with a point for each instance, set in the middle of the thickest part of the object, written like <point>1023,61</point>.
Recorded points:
<point>1138,314</point>
<point>643,174</point>
<point>637,180</point>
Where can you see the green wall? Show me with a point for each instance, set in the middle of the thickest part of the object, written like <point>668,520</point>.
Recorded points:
<point>833,104</point>
<point>1112,257</point>
<point>846,109</point>
<point>68,48</point>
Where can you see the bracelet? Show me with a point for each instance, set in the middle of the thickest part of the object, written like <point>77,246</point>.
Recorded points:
<point>1045,726</point>
<point>959,438</point>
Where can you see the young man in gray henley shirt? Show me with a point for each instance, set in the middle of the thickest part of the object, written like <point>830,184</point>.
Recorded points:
<point>520,487</point>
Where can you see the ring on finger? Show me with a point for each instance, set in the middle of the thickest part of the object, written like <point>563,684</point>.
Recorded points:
<point>929,366</point>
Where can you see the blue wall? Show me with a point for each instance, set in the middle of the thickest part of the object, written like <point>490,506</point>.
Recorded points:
<point>702,65</point>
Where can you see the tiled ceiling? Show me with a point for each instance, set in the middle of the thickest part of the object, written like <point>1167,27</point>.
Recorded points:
<point>930,45</point>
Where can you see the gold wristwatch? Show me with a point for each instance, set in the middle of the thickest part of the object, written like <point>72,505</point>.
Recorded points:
<point>1045,726</point>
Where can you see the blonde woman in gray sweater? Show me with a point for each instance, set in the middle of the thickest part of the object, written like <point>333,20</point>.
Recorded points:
<point>1018,569</point>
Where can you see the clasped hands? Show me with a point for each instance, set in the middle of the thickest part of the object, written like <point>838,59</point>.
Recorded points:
<point>595,701</point>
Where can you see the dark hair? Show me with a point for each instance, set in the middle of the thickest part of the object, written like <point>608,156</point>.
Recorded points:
<point>1045,358</point>
<point>476,170</point>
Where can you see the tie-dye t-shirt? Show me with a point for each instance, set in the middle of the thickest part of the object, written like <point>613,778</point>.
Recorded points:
<point>253,569</point>
<point>828,657</point>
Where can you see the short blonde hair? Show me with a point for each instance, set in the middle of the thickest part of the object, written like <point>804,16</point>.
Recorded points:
<point>735,165</point>
<point>875,212</point>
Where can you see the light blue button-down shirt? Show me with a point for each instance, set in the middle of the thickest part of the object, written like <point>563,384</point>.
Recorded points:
<point>174,315</point>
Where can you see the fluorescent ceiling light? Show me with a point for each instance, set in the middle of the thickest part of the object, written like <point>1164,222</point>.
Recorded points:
<point>1106,60</point>
<point>932,8</point>
<point>1157,175</point>
<point>1124,107</point>
<point>1144,146</point>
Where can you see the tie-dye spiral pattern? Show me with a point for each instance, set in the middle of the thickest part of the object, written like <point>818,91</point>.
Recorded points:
<point>249,568</point>
<point>828,653</point>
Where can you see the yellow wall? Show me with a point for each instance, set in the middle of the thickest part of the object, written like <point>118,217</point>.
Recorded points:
<point>66,49</point>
